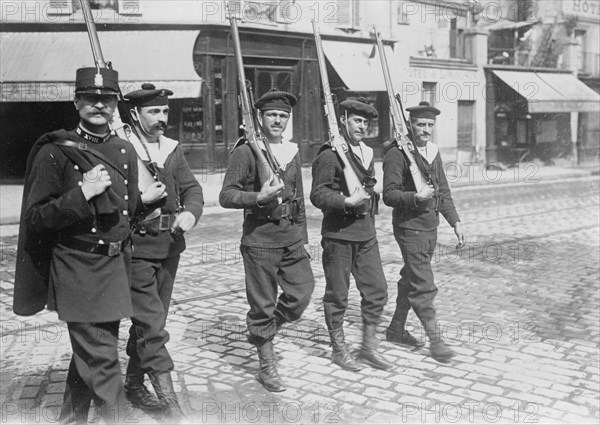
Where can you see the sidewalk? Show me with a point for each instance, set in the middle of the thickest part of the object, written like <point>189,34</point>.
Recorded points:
<point>458,176</point>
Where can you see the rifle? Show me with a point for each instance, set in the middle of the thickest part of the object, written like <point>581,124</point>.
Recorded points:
<point>336,140</point>
<point>398,120</point>
<point>122,126</point>
<point>266,168</point>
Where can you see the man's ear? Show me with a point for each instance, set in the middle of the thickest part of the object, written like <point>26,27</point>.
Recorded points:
<point>343,120</point>
<point>134,114</point>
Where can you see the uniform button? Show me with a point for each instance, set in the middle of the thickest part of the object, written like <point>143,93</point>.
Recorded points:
<point>76,167</point>
<point>101,242</point>
<point>126,197</point>
<point>125,212</point>
<point>79,183</point>
<point>93,230</point>
<point>123,151</point>
<point>125,166</point>
<point>125,181</point>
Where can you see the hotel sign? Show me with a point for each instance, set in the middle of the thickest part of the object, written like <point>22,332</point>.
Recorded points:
<point>587,9</point>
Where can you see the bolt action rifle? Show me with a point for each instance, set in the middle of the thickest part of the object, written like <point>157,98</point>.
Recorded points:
<point>122,122</point>
<point>336,140</point>
<point>267,165</point>
<point>398,121</point>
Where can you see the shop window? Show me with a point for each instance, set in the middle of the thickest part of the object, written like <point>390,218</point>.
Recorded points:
<point>580,50</point>
<point>428,92</point>
<point>547,131</point>
<point>218,87</point>
<point>192,121</point>
<point>265,80</point>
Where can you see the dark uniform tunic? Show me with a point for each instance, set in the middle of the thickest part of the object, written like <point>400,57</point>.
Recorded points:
<point>155,261</point>
<point>272,250</point>
<point>349,241</point>
<point>88,285</point>
<point>415,227</point>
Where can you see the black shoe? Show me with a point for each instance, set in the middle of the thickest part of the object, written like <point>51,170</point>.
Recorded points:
<point>441,352</point>
<point>143,399</point>
<point>403,338</point>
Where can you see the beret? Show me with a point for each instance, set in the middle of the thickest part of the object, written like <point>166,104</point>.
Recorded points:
<point>280,100</point>
<point>359,106</point>
<point>97,81</point>
<point>424,110</point>
<point>149,95</point>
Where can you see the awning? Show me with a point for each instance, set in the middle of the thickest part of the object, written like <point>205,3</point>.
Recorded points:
<point>548,92</point>
<point>40,67</point>
<point>505,24</point>
<point>355,66</point>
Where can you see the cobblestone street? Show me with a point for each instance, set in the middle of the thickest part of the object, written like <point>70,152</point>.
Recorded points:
<point>519,304</point>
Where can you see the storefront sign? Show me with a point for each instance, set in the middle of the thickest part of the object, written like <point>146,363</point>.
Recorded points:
<point>589,9</point>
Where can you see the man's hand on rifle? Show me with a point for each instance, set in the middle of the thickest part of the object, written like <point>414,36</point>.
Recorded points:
<point>268,192</point>
<point>154,192</point>
<point>425,194</point>
<point>357,198</point>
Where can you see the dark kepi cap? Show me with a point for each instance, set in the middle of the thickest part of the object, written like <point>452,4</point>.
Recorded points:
<point>97,81</point>
<point>280,100</point>
<point>359,106</point>
<point>424,110</point>
<point>149,95</point>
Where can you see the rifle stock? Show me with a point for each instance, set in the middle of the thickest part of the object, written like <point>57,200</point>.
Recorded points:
<point>252,133</point>
<point>400,131</point>
<point>335,138</point>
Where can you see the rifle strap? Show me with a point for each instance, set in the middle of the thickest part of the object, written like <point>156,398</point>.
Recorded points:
<point>86,148</point>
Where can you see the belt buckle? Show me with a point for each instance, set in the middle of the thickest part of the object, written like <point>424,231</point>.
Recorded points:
<point>285,210</point>
<point>114,249</point>
<point>83,146</point>
<point>164,222</point>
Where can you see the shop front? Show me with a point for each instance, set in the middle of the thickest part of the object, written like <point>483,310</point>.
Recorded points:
<point>38,73</point>
<point>536,115</point>
<point>281,60</point>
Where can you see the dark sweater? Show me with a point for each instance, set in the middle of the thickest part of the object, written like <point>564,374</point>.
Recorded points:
<point>399,192</point>
<point>329,190</point>
<point>180,182</point>
<point>240,191</point>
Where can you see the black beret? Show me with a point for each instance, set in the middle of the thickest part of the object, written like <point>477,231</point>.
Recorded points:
<point>359,106</point>
<point>424,110</point>
<point>149,95</point>
<point>280,100</point>
<point>97,81</point>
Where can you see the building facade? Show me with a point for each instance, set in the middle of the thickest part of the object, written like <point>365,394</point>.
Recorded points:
<point>543,74</point>
<point>435,52</point>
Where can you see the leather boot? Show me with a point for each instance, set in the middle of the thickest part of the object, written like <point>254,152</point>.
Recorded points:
<point>135,390</point>
<point>163,386</point>
<point>268,376</point>
<point>368,353</point>
<point>438,349</point>
<point>396,332</point>
<point>340,355</point>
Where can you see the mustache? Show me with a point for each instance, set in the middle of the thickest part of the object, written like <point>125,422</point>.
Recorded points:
<point>160,125</point>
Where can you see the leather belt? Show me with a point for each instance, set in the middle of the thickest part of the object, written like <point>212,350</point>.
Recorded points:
<point>111,249</point>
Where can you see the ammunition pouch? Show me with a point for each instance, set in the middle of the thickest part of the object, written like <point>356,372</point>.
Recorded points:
<point>155,225</point>
<point>289,209</point>
<point>369,207</point>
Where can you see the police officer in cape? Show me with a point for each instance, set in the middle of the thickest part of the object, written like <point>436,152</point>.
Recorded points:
<point>349,238</point>
<point>415,222</point>
<point>158,239</point>
<point>274,232</point>
<point>74,250</point>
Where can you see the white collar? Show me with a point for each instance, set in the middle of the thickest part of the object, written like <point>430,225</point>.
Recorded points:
<point>429,151</point>
<point>283,152</point>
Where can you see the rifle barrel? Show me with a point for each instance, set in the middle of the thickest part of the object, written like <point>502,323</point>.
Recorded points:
<point>93,34</point>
